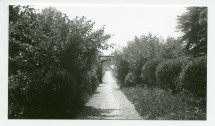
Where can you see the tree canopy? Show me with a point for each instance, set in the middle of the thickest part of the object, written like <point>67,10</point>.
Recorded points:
<point>193,25</point>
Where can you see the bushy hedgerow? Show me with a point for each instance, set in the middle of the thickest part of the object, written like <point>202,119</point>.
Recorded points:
<point>53,62</point>
<point>148,72</point>
<point>44,96</point>
<point>134,56</point>
<point>168,71</point>
<point>129,80</point>
<point>122,68</point>
<point>99,73</point>
<point>194,77</point>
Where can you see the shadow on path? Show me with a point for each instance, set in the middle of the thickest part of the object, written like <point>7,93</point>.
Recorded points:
<point>95,113</point>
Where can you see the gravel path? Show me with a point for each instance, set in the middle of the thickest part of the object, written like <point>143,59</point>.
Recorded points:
<point>108,102</point>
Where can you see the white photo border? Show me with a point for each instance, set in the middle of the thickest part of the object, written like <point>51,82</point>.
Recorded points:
<point>4,121</point>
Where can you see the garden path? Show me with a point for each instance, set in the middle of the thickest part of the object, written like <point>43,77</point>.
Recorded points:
<point>108,102</point>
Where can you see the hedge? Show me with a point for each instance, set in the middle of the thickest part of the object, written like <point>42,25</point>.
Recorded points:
<point>129,80</point>
<point>122,68</point>
<point>168,71</point>
<point>194,77</point>
<point>148,72</point>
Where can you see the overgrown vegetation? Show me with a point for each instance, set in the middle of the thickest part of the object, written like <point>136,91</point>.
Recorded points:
<point>53,62</point>
<point>194,78</point>
<point>174,70</point>
<point>159,104</point>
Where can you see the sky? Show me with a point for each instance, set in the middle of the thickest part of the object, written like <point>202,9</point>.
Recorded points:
<point>126,22</point>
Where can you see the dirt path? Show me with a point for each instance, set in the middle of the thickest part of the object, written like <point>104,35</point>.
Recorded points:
<point>109,102</point>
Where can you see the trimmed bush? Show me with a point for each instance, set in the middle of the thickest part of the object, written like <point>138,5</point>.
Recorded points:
<point>167,73</point>
<point>130,79</point>
<point>194,77</point>
<point>148,72</point>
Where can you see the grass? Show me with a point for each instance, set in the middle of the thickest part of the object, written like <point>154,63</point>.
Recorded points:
<point>158,104</point>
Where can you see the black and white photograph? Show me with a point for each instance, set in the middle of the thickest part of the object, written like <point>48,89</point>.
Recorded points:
<point>90,62</point>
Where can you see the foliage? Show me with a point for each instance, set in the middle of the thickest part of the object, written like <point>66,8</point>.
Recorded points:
<point>53,62</point>
<point>129,80</point>
<point>193,24</point>
<point>122,67</point>
<point>141,50</point>
<point>194,77</point>
<point>148,72</point>
<point>100,73</point>
<point>168,71</point>
<point>158,104</point>
<point>181,73</point>
<point>172,48</point>
<point>133,57</point>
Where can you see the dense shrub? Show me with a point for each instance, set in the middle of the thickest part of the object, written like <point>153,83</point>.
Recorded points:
<point>194,77</point>
<point>53,62</point>
<point>99,73</point>
<point>45,97</point>
<point>122,67</point>
<point>167,73</point>
<point>148,72</point>
<point>134,56</point>
<point>129,80</point>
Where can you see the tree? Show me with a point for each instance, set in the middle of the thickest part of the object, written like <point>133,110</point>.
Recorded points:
<point>134,56</point>
<point>172,48</point>
<point>193,24</point>
<point>53,62</point>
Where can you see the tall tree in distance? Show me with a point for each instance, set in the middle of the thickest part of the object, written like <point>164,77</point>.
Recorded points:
<point>193,24</point>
